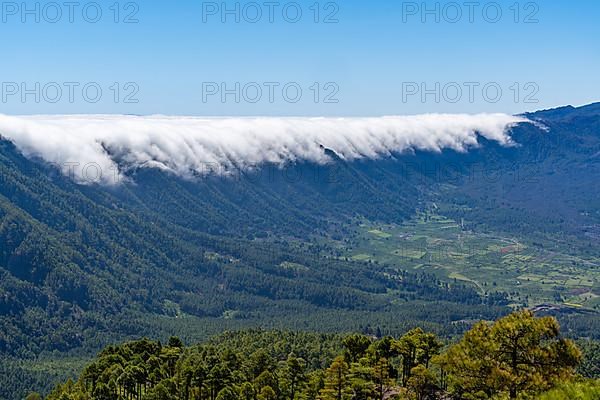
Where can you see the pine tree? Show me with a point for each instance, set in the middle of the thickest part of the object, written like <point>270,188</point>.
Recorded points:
<point>517,354</point>
<point>416,347</point>
<point>337,383</point>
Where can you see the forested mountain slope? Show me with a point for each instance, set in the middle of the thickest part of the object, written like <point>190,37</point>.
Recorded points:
<point>85,265</point>
<point>74,257</point>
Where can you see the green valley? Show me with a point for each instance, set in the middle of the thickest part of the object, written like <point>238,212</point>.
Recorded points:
<point>530,273</point>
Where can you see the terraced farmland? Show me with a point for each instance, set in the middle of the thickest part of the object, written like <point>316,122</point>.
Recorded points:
<point>491,263</point>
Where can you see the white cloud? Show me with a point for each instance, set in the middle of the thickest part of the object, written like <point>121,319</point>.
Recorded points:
<point>82,144</point>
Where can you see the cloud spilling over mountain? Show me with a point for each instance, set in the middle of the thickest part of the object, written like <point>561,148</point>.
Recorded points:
<point>101,148</point>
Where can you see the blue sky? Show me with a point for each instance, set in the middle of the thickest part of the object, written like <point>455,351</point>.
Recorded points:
<point>352,58</point>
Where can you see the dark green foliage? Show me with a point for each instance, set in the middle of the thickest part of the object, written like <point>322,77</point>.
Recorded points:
<point>590,364</point>
<point>282,365</point>
<point>223,368</point>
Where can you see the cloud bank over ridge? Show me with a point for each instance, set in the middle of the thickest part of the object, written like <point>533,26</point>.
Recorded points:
<point>79,144</point>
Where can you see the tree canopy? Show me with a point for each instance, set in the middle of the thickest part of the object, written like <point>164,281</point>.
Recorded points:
<point>516,357</point>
